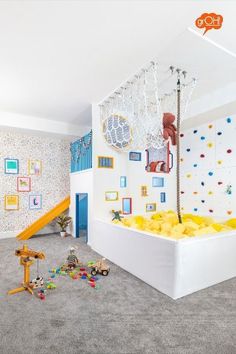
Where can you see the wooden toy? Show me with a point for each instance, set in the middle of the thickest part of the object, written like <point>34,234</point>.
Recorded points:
<point>100,267</point>
<point>27,257</point>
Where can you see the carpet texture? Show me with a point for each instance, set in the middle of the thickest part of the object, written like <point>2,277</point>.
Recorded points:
<point>124,316</point>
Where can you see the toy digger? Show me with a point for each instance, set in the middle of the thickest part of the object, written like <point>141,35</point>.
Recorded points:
<point>26,260</point>
<point>100,267</point>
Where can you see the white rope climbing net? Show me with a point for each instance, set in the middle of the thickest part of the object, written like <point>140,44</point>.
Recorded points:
<point>132,117</point>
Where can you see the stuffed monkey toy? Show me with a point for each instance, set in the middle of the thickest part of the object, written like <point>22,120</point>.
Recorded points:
<point>169,129</point>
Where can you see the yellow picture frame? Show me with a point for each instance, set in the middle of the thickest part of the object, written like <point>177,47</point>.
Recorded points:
<point>151,207</point>
<point>11,202</point>
<point>34,167</point>
<point>105,162</point>
<point>111,196</point>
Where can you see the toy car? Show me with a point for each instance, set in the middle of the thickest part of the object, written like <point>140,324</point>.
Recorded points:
<point>100,267</point>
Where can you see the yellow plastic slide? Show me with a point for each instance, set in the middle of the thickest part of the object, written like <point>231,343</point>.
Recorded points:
<point>44,220</point>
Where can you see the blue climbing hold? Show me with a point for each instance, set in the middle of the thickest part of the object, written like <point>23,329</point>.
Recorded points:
<point>210,173</point>
<point>228,120</point>
<point>188,150</point>
<point>195,131</point>
<point>219,133</point>
<point>195,209</point>
<point>195,165</point>
<point>202,183</point>
<point>203,138</point>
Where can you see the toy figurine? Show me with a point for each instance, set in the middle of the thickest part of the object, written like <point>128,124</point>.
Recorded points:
<point>169,129</point>
<point>228,189</point>
<point>100,267</point>
<point>72,260</point>
<point>116,215</point>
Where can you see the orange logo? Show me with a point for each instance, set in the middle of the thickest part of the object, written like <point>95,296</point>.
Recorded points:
<point>209,21</point>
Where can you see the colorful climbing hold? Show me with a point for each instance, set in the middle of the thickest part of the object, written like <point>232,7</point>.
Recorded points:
<point>188,149</point>
<point>228,120</point>
<point>210,173</point>
<point>203,201</point>
<point>195,193</point>
<point>219,183</point>
<point>229,212</point>
<point>229,151</point>
<point>202,156</point>
<point>195,131</point>
<point>210,192</point>
<point>181,135</point>
<point>211,210</point>
<point>210,126</point>
<point>210,145</point>
<point>219,162</point>
<point>203,138</point>
<point>188,175</point>
<point>219,133</point>
<point>202,183</point>
<point>195,209</point>
<point>195,165</point>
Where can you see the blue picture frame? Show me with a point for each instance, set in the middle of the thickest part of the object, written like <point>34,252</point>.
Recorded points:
<point>32,205</point>
<point>123,181</point>
<point>158,182</point>
<point>11,166</point>
<point>162,197</point>
<point>135,156</point>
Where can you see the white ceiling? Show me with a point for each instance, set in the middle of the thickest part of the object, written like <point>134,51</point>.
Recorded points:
<point>58,57</point>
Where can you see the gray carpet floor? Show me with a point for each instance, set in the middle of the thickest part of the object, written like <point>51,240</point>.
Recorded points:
<point>124,316</point>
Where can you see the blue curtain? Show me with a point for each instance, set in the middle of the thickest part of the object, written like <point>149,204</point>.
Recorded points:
<point>81,153</point>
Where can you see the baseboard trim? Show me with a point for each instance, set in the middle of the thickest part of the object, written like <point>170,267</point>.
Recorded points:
<point>9,234</point>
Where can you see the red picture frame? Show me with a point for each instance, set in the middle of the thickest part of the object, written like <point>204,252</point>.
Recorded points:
<point>126,206</point>
<point>23,184</point>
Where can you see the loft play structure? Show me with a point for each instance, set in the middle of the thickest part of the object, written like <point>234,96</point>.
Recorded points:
<point>177,228</point>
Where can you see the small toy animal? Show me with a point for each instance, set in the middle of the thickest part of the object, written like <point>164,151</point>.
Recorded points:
<point>116,215</point>
<point>169,129</point>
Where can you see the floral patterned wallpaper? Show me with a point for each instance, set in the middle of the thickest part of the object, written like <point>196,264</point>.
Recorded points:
<point>52,184</point>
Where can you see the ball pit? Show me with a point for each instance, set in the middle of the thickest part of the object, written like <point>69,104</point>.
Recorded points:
<point>166,223</point>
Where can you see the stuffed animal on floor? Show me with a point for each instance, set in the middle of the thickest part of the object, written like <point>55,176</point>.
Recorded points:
<point>169,129</point>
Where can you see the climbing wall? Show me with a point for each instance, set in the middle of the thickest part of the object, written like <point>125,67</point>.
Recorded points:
<point>208,169</point>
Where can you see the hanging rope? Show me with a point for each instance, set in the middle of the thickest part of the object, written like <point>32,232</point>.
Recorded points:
<point>178,152</point>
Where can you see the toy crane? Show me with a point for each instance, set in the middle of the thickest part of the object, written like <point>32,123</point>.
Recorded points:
<point>26,260</point>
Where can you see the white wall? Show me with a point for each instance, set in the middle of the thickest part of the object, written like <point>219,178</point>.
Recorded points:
<point>109,179</point>
<point>81,182</point>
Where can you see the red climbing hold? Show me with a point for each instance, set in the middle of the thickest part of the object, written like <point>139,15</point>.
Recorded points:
<point>229,151</point>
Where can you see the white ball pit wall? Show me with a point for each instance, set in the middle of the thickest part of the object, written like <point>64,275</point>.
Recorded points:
<point>176,268</point>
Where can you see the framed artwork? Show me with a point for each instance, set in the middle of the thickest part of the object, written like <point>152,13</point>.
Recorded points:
<point>11,202</point>
<point>105,162</point>
<point>23,184</point>
<point>126,206</point>
<point>35,201</point>
<point>163,197</point>
<point>11,166</point>
<point>35,167</point>
<point>157,181</point>
<point>123,182</point>
<point>111,196</point>
<point>159,160</point>
<point>144,192</point>
<point>150,207</point>
<point>135,156</point>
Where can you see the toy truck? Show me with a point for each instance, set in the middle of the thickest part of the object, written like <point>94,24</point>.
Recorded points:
<point>100,267</point>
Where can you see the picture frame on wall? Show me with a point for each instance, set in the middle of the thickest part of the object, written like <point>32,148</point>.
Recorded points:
<point>162,197</point>
<point>11,202</point>
<point>123,182</point>
<point>111,196</point>
<point>23,184</point>
<point>35,201</point>
<point>135,156</point>
<point>151,207</point>
<point>105,162</point>
<point>158,182</point>
<point>35,167</point>
<point>11,166</point>
<point>126,206</point>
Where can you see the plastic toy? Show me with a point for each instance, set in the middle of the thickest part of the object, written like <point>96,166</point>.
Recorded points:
<point>169,129</point>
<point>50,285</point>
<point>100,267</point>
<point>116,215</point>
<point>26,260</point>
<point>72,260</point>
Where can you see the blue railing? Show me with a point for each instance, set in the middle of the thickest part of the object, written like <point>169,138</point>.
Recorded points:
<point>81,153</point>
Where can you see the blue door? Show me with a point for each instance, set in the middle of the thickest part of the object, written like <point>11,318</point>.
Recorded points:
<point>81,224</point>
